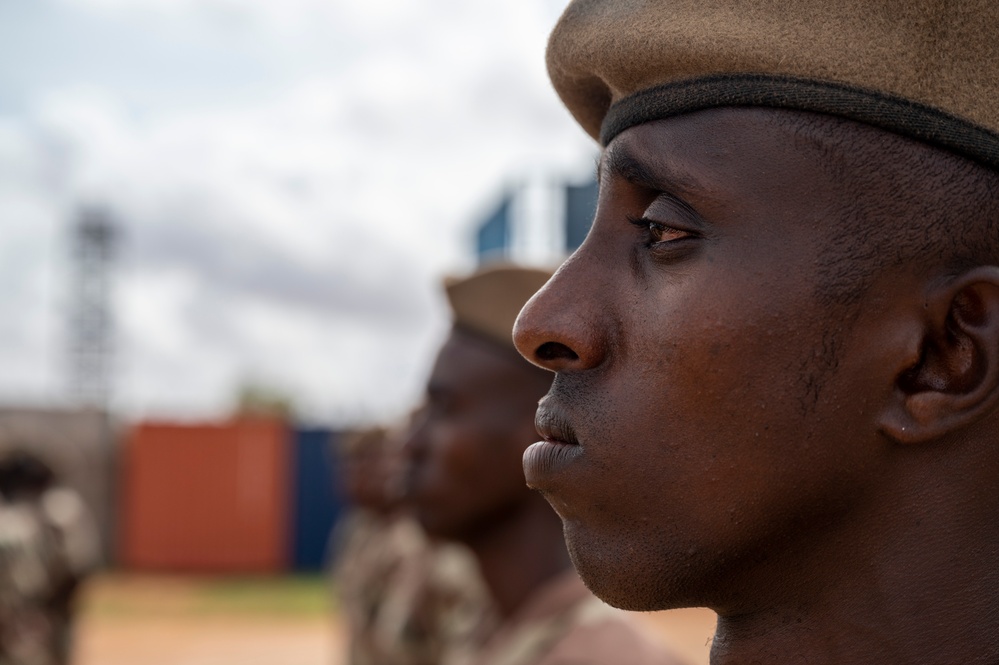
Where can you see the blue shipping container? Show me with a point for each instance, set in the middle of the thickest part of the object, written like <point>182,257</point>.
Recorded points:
<point>316,498</point>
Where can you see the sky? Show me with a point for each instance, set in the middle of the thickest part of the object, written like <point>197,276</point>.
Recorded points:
<point>291,180</point>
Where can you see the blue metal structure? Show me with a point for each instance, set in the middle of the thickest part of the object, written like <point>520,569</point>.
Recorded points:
<point>580,206</point>
<point>493,236</point>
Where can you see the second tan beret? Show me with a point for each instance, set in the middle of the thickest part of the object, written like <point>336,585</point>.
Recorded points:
<point>488,302</point>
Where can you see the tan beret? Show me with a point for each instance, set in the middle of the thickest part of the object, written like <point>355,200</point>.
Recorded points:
<point>488,302</point>
<point>928,69</point>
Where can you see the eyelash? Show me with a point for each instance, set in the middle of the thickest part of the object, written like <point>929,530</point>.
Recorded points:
<point>646,225</point>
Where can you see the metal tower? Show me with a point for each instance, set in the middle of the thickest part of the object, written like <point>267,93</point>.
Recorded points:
<point>94,236</point>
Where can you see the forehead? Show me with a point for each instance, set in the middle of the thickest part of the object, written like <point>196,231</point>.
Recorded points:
<point>764,150</point>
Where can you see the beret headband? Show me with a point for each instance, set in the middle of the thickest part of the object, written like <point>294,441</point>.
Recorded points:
<point>927,69</point>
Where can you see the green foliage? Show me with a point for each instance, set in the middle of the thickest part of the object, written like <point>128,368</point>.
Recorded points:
<point>124,596</point>
<point>254,399</point>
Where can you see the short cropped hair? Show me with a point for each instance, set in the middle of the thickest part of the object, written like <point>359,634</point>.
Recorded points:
<point>905,205</point>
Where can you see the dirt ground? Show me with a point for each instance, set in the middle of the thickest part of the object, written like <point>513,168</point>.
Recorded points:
<point>173,620</point>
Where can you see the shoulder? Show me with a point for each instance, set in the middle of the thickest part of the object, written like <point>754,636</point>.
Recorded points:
<point>63,507</point>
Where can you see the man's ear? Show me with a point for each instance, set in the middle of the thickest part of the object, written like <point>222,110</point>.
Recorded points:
<point>955,380</point>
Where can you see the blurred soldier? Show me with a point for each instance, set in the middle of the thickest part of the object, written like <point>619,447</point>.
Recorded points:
<point>48,545</point>
<point>404,598</point>
<point>26,554</point>
<point>466,485</point>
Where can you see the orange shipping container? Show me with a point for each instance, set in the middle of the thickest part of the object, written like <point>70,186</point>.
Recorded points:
<point>210,498</point>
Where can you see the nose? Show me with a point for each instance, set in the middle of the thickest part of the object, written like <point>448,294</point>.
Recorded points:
<point>562,327</point>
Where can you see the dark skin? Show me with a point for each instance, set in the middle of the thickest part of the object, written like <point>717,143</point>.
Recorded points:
<point>730,426</point>
<point>368,473</point>
<point>466,483</point>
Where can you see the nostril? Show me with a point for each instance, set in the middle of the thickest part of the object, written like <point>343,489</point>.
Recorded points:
<point>554,351</point>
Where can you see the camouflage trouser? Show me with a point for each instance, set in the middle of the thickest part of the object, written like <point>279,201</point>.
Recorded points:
<point>26,638</point>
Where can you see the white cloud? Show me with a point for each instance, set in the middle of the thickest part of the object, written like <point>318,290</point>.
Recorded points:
<point>292,229</point>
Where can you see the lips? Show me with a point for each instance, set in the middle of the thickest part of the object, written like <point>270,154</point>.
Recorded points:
<point>552,425</point>
<point>547,460</point>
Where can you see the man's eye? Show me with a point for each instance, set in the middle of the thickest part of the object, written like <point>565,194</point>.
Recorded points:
<point>663,233</point>
<point>659,232</point>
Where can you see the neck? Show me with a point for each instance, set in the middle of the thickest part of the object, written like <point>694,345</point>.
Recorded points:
<point>520,553</point>
<point>920,587</point>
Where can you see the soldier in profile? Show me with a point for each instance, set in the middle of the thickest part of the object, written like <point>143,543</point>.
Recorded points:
<point>465,484</point>
<point>776,354</point>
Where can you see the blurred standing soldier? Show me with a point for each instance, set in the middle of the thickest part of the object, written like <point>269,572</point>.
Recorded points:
<point>366,548</point>
<point>403,597</point>
<point>466,484</point>
<point>26,632</point>
<point>49,545</point>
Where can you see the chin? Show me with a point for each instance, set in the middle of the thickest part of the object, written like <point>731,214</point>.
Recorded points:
<point>628,574</point>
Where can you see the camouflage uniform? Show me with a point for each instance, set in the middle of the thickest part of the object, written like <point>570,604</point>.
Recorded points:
<point>405,600</point>
<point>77,553</point>
<point>46,547</point>
<point>562,624</point>
<point>27,555</point>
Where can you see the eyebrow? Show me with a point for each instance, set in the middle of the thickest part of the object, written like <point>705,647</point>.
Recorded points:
<point>623,165</point>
